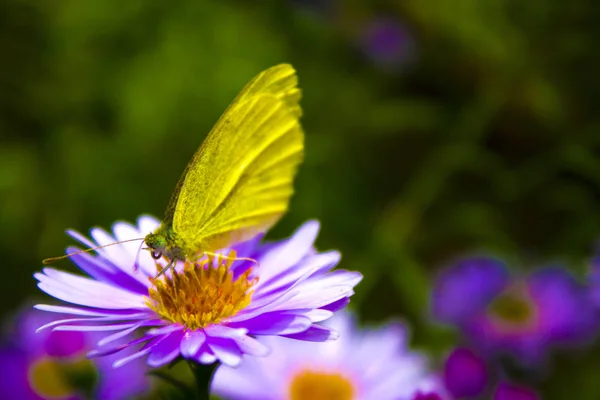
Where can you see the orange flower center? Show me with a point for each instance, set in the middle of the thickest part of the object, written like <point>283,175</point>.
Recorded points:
<point>316,385</point>
<point>202,294</point>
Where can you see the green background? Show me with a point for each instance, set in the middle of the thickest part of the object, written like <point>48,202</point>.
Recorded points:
<point>483,136</point>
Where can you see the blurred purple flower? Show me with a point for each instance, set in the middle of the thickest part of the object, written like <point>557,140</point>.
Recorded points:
<point>465,373</point>
<point>468,376</point>
<point>52,365</point>
<point>522,316</point>
<point>387,42</point>
<point>508,391</point>
<point>202,312</point>
<point>367,364</point>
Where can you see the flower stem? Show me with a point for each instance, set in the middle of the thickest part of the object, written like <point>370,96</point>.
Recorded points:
<point>203,375</point>
<point>187,391</point>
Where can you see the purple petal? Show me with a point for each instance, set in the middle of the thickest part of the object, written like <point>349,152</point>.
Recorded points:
<point>224,331</point>
<point>164,330</point>
<point>565,311</point>
<point>191,343</point>
<point>315,333</point>
<point>128,359</point>
<point>166,351</point>
<point>466,288</point>
<point>126,314</point>
<point>125,231</point>
<point>465,373</point>
<point>115,336</point>
<point>245,249</point>
<point>290,276</point>
<point>323,291</point>
<point>80,238</point>
<point>85,284</point>
<point>275,299</point>
<point>289,252</point>
<point>86,320</point>
<point>87,292</point>
<point>226,350</point>
<point>265,304</point>
<point>102,270</point>
<point>113,253</point>
<point>251,346</point>
<point>205,355</point>
<point>115,348</point>
<point>337,305</point>
<point>276,323</point>
<point>316,315</point>
<point>125,255</point>
<point>98,328</point>
<point>314,293</point>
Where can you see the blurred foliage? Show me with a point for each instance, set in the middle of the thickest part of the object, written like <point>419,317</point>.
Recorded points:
<point>483,137</point>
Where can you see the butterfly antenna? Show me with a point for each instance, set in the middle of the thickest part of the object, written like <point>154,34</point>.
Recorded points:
<point>47,261</point>
<point>137,258</point>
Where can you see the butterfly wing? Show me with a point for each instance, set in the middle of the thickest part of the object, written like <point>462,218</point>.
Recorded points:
<point>239,182</point>
<point>279,81</point>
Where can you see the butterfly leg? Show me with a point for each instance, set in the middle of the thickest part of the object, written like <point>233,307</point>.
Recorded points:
<point>162,271</point>
<point>231,257</point>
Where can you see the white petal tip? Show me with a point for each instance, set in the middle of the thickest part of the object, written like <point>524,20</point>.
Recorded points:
<point>333,335</point>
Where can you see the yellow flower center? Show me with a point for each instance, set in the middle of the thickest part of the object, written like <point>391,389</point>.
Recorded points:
<point>202,294</point>
<point>514,309</point>
<point>316,385</point>
<point>54,379</point>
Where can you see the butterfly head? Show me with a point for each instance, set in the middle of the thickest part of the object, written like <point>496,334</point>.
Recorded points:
<point>161,246</point>
<point>157,244</point>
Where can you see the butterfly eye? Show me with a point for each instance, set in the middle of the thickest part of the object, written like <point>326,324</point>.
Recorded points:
<point>156,254</point>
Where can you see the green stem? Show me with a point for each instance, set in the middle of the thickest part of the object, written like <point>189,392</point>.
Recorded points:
<point>185,389</point>
<point>203,375</point>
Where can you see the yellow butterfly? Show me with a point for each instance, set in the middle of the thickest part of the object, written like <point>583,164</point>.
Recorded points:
<point>239,182</point>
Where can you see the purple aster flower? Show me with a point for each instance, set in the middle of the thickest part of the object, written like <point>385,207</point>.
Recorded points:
<point>52,365</point>
<point>367,364</point>
<point>387,42</point>
<point>519,315</point>
<point>205,312</point>
<point>468,376</point>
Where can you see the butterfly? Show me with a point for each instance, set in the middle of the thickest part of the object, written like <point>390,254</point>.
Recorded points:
<point>240,181</point>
